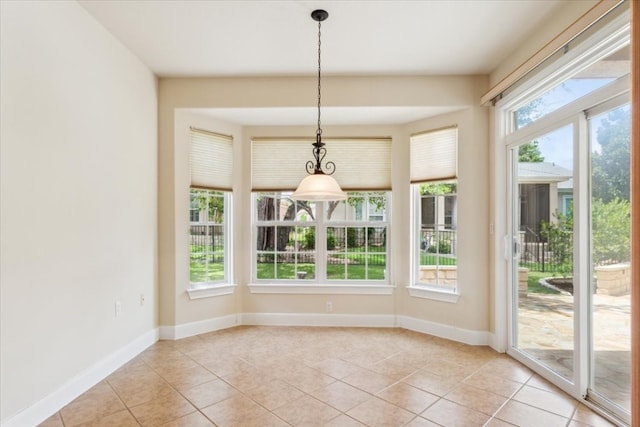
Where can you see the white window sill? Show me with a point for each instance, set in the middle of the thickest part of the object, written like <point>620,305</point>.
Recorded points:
<point>434,293</point>
<point>320,289</point>
<point>207,291</point>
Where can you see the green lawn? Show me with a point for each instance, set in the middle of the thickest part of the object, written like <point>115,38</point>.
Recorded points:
<point>334,271</point>
<point>198,271</point>
<point>533,285</point>
<point>267,270</point>
<point>427,258</point>
<point>355,272</point>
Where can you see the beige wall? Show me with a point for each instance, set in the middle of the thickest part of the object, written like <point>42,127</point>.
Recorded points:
<point>462,93</point>
<point>78,209</point>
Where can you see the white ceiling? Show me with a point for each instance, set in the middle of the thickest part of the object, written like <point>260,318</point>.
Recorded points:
<point>279,38</point>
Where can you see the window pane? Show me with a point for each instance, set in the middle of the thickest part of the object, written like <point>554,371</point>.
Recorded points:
<point>337,211</point>
<point>437,234</point>
<point>544,311</point>
<point>356,253</point>
<point>610,137</point>
<point>198,269</point>
<point>377,268</point>
<point>348,251</point>
<point>266,239</point>
<point>215,268</point>
<point>377,239</point>
<point>594,77</point>
<point>285,208</point>
<point>207,236</point>
<point>266,266</point>
<point>369,206</point>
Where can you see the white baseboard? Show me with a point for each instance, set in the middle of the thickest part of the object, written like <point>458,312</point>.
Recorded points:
<point>496,343</point>
<point>318,319</point>
<point>195,328</point>
<point>43,409</point>
<point>321,319</point>
<point>465,336</point>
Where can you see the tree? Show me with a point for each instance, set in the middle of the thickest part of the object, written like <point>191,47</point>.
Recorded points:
<point>611,168</point>
<point>438,188</point>
<point>530,153</point>
<point>611,230</point>
<point>266,212</point>
<point>209,203</point>
<point>267,207</point>
<point>530,112</point>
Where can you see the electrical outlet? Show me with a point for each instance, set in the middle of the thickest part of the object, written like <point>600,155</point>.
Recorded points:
<point>118,308</point>
<point>329,307</point>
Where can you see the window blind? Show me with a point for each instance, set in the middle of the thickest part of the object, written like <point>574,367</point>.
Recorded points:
<point>434,155</point>
<point>362,164</point>
<point>211,160</point>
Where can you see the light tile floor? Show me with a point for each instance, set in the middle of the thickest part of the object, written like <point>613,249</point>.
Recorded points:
<point>286,376</point>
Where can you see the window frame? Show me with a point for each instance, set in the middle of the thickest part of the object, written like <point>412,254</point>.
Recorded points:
<point>320,284</point>
<point>417,288</point>
<point>224,286</point>
<point>438,146</point>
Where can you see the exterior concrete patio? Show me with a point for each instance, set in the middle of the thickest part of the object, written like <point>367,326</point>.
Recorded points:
<point>546,333</point>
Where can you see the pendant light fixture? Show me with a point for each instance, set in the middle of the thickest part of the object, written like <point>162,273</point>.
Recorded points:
<point>319,185</point>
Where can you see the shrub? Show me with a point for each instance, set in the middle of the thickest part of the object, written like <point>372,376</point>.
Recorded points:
<point>559,237</point>
<point>309,239</point>
<point>352,237</point>
<point>331,240</point>
<point>611,228</point>
<point>442,247</point>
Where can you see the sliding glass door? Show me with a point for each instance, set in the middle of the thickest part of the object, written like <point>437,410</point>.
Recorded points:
<point>609,157</point>
<point>543,245</point>
<point>569,249</point>
<point>564,135</point>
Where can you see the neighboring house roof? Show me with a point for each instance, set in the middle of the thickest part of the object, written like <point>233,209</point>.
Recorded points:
<point>565,186</point>
<point>542,172</point>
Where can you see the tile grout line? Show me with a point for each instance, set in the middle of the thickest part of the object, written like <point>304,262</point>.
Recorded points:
<point>509,399</point>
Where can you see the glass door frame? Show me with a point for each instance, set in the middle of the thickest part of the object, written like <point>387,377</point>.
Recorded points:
<point>603,107</point>
<point>573,114</point>
<point>577,387</point>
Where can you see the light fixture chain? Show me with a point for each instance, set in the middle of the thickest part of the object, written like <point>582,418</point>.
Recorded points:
<point>319,130</point>
<point>319,185</point>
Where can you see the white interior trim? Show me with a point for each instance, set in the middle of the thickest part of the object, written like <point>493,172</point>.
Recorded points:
<point>319,319</point>
<point>434,293</point>
<point>185,330</point>
<point>449,332</point>
<point>211,290</point>
<point>313,289</point>
<point>41,410</point>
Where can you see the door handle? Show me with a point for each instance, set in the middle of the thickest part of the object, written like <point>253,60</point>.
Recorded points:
<point>517,247</point>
